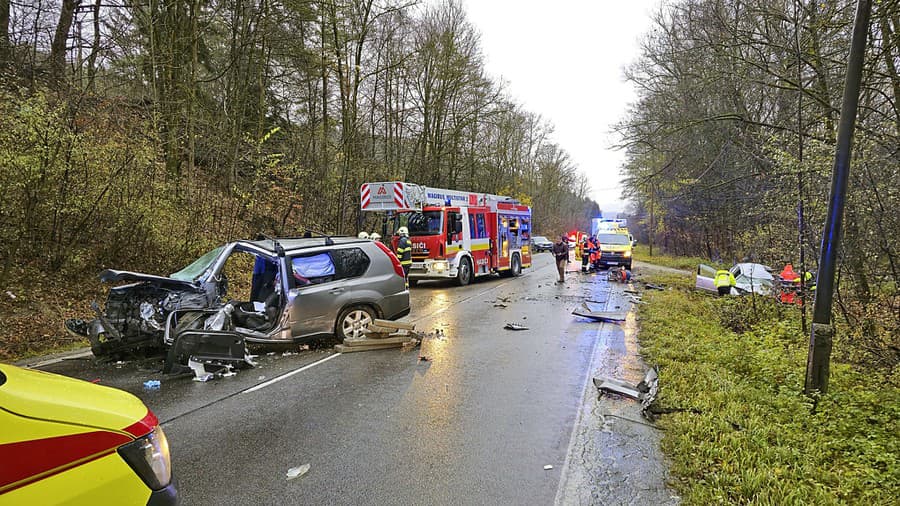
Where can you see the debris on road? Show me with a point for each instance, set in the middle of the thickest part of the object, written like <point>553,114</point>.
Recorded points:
<point>548,467</point>
<point>394,325</point>
<point>11,295</point>
<point>645,391</point>
<point>383,334</point>
<point>515,326</point>
<point>606,316</point>
<point>500,304</point>
<point>296,472</point>
<point>152,385</point>
<point>423,358</point>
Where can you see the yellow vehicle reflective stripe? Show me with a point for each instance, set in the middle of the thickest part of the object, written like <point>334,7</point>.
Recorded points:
<point>79,485</point>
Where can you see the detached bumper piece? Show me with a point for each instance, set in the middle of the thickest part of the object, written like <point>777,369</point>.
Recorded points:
<point>645,391</point>
<point>210,349</point>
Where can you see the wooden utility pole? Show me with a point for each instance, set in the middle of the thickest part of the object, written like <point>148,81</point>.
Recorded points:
<point>821,337</point>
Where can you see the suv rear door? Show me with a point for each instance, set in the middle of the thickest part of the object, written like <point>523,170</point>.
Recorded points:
<point>321,285</point>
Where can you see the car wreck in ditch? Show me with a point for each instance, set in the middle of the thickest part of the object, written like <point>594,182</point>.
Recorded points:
<point>299,289</point>
<point>750,278</point>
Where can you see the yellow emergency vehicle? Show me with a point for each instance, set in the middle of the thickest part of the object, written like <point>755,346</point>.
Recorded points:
<point>615,249</point>
<point>67,441</point>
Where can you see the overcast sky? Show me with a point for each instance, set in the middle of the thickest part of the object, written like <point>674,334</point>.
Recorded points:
<point>564,60</point>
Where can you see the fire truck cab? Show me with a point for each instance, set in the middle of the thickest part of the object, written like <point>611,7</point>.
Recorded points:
<point>454,234</point>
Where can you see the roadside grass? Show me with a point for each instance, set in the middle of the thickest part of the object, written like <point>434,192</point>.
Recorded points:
<point>749,435</point>
<point>642,254</point>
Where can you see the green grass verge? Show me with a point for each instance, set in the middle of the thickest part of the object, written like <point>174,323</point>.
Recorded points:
<point>756,438</point>
<point>642,254</point>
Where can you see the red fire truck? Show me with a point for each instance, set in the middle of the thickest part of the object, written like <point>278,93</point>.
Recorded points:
<point>454,234</point>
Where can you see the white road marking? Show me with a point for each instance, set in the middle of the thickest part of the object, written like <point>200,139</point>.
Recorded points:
<point>36,365</point>
<point>289,374</point>
<point>583,409</point>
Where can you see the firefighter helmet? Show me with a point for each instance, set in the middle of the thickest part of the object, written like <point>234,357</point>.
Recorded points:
<point>403,231</point>
<point>375,236</point>
<point>363,235</point>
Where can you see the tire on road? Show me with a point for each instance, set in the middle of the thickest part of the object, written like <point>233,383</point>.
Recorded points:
<point>464,273</point>
<point>515,267</point>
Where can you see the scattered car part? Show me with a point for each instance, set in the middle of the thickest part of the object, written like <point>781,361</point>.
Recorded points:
<point>296,472</point>
<point>645,391</point>
<point>587,311</point>
<point>515,326</point>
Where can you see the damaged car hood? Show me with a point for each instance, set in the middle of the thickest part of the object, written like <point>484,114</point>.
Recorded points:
<point>110,275</point>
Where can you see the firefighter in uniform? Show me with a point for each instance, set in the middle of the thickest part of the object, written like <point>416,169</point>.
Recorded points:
<point>404,250</point>
<point>724,280</point>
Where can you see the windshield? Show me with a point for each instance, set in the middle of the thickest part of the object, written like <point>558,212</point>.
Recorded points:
<point>617,239</point>
<point>424,223</point>
<point>540,238</point>
<point>198,266</point>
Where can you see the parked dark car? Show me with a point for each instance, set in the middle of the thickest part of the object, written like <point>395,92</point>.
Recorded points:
<point>540,243</point>
<point>299,289</point>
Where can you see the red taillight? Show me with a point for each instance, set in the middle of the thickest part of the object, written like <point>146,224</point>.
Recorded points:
<point>396,263</point>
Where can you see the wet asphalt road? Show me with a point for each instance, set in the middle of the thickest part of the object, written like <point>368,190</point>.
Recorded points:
<point>476,424</point>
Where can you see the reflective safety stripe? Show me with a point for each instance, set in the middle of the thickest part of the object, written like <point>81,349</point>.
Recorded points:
<point>39,458</point>
<point>405,262</point>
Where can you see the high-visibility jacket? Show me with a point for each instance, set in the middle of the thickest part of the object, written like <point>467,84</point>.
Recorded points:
<point>724,278</point>
<point>594,248</point>
<point>404,251</point>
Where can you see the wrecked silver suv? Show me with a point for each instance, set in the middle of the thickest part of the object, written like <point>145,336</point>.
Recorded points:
<point>299,289</point>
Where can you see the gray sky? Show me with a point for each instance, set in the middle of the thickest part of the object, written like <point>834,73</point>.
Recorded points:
<point>564,60</point>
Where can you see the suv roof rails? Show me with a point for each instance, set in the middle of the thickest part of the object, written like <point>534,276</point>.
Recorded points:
<point>279,249</point>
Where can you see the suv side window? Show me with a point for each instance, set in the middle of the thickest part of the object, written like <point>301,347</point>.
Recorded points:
<point>312,269</point>
<point>349,262</point>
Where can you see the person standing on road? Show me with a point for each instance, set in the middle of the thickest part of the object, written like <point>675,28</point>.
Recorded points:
<point>585,253</point>
<point>561,253</point>
<point>724,280</point>
<point>404,250</point>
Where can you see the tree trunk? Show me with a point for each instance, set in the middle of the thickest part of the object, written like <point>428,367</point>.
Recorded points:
<point>5,50</point>
<point>58,46</point>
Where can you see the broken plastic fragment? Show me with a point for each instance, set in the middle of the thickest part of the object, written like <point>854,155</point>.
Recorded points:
<point>203,378</point>
<point>515,326</point>
<point>296,472</point>
<point>548,467</point>
<point>151,385</point>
